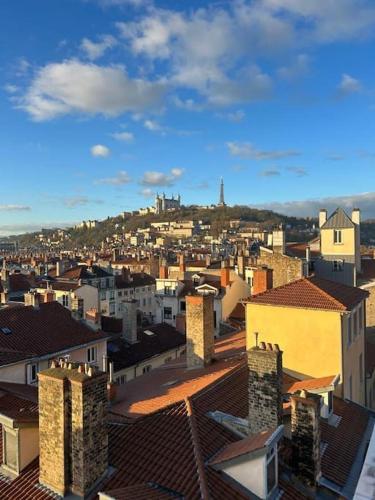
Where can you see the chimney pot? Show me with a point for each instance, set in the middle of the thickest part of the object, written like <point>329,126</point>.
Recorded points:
<point>262,346</point>
<point>269,347</point>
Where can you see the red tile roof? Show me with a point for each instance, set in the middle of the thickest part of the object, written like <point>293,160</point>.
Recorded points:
<point>243,447</point>
<point>308,384</point>
<point>37,332</point>
<point>312,293</point>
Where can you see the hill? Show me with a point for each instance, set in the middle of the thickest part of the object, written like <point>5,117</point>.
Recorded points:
<point>218,217</point>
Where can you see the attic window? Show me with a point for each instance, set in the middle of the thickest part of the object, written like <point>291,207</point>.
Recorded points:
<point>5,330</point>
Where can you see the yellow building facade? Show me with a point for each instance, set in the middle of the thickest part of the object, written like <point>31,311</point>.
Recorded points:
<point>315,342</point>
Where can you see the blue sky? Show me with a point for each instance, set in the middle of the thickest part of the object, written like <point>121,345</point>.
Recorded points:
<point>105,102</point>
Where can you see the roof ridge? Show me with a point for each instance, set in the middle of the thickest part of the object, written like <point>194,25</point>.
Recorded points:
<point>203,486</point>
<point>326,294</point>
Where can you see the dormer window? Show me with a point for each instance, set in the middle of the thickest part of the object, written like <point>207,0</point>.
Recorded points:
<point>337,236</point>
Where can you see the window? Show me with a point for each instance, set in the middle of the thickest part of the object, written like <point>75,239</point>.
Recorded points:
<point>119,294</point>
<point>167,290</point>
<point>330,401</point>
<point>91,354</point>
<point>65,300</point>
<point>32,373</point>
<point>103,295</point>
<point>338,265</point>
<point>337,236</point>
<point>112,308</point>
<point>112,295</point>
<point>144,302</point>
<point>183,306</point>
<point>146,369</point>
<point>361,368</point>
<point>167,313</point>
<point>250,281</point>
<point>11,449</point>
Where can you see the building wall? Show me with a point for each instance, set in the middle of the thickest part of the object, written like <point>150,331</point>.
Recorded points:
<point>29,437</point>
<point>237,291</point>
<point>285,269</point>
<point>90,296</point>
<point>14,373</point>
<point>310,339</point>
<point>346,248</point>
<point>134,371</point>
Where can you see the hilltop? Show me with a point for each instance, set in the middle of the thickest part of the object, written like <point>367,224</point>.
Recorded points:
<point>218,217</point>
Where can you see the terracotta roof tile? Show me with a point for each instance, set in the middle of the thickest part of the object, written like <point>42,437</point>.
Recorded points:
<point>308,384</point>
<point>312,293</point>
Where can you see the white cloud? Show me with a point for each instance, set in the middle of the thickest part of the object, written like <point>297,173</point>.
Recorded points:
<point>10,88</point>
<point>10,229</point>
<point>94,50</point>
<point>349,85</point>
<point>147,193</point>
<point>248,150</point>
<point>154,178</point>
<point>119,180</point>
<point>75,87</point>
<point>14,208</point>
<point>78,201</point>
<point>99,150</point>
<point>298,171</point>
<point>123,136</point>
<point>272,172</point>
<point>311,207</point>
<point>298,68</point>
<point>153,126</point>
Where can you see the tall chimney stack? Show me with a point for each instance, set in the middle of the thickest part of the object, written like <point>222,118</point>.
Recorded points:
<point>225,274</point>
<point>305,409</point>
<point>265,387</point>
<point>73,436</point>
<point>199,330</point>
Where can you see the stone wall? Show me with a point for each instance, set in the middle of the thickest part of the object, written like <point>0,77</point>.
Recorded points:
<point>265,387</point>
<point>285,269</point>
<point>306,437</point>
<point>199,330</point>
<point>370,307</point>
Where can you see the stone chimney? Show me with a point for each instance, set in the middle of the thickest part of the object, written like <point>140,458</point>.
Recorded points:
<point>262,280</point>
<point>305,421</point>
<point>208,259</point>
<point>225,274</point>
<point>4,296</point>
<point>241,265</point>
<point>356,216</point>
<point>322,217</point>
<point>92,318</point>
<point>129,321</point>
<point>125,273</point>
<point>278,239</point>
<point>265,387</point>
<point>59,268</point>
<point>32,298</point>
<point>73,438</point>
<point>199,330</point>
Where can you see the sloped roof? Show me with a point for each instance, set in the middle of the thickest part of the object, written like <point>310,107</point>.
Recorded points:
<point>312,293</point>
<point>40,331</point>
<point>338,220</point>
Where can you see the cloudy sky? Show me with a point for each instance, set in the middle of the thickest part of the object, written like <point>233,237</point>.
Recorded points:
<point>103,103</point>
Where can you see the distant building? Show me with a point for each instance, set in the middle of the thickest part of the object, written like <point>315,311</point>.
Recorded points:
<point>163,204</point>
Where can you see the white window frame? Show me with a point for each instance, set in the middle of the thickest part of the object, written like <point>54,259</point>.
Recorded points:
<point>337,237</point>
<point>92,354</point>
<point>30,379</point>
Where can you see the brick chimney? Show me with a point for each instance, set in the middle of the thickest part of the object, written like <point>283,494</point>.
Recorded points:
<point>265,387</point>
<point>125,273</point>
<point>225,274</point>
<point>129,321</point>
<point>305,421</point>
<point>199,330</point>
<point>208,259</point>
<point>163,272</point>
<point>73,439</point>
<point>182,263</point>
<point>262,280</point>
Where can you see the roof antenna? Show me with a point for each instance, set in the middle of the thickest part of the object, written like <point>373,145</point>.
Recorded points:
<point>256,338</point>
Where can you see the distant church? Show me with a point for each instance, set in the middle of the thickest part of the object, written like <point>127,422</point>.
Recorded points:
<point>163,204</point>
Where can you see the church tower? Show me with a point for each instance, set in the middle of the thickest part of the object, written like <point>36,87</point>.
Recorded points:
<point>221,199</point>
